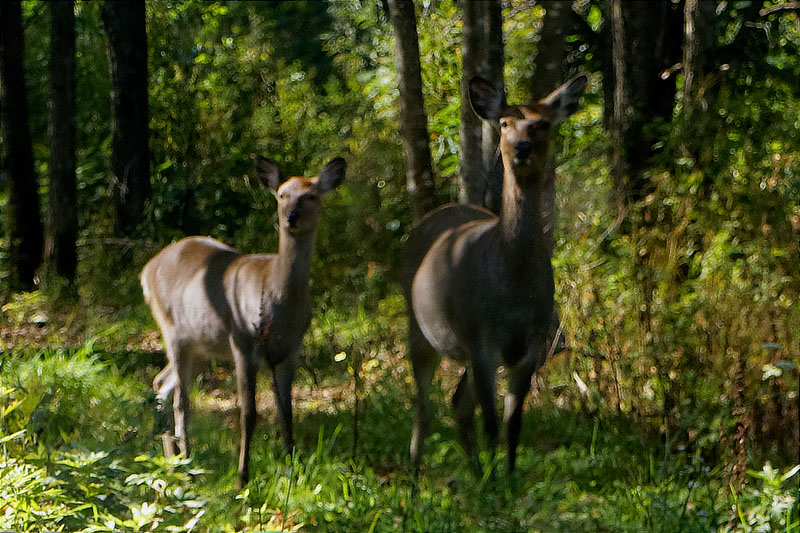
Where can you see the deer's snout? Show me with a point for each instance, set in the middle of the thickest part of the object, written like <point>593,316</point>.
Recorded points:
<point>522,149</point>
<point>293,217</point>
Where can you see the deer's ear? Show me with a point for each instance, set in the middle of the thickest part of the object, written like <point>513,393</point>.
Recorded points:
<point>564,100</point>
<point>268,173</point>
<point>332,175</point>
<point>486,100</point>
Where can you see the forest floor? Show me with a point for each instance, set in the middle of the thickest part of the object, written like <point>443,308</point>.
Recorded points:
<point>81,450</point>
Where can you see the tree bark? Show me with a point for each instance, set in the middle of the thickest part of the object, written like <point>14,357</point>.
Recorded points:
<point>23,222</point>
<point>474,184</point>
<point>127,64</point>
<point>62,219</point>
<point>699,87</point>
<point>493,29</point>
<point>413,121</point>
<point>550,58</point>
<point>551,51</point>
<point>645,43</point>
<point>698,44</point>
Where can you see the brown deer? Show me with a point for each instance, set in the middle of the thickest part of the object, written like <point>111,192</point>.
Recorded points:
<point>212,302</point>
<point>479,287</point>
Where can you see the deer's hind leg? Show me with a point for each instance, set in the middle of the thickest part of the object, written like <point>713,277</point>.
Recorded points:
<point>164,385</point>
<point>424,360</point>
<point>464,403</point>
<point>184,371</point>
<point>171,386</point>
<point>483,371</point>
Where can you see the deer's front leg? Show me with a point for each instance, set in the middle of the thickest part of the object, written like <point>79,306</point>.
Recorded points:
<point>483,378</point>
<point>519,385</point>
<point>282,378</point>
<point>246,373</point>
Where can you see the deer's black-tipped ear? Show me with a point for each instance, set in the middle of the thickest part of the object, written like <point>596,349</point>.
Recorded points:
<point>332,175</point>
<point>486,100</point>
<point>564,100</point>
<point>267,172</point>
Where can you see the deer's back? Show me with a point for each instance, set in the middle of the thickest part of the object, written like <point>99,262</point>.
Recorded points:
<point>184,285</point>
<point>430,228</point>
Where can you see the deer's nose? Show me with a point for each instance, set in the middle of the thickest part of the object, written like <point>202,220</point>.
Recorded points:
<point>293,217</point>
<point>522,149</point>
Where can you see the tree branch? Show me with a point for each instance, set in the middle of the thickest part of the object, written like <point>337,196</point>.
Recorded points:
<point>788,6</point>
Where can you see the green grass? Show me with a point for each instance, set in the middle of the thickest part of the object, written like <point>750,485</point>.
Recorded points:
<point>81,451</point>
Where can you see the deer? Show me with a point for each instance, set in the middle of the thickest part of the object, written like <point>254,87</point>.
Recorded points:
<point>212,302</point>
<point>479,287</point>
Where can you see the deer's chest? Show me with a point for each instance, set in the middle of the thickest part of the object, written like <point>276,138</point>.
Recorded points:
<point>281,329</point>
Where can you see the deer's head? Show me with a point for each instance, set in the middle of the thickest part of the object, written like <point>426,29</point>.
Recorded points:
<point>299,198</point>
<point>525,129</point>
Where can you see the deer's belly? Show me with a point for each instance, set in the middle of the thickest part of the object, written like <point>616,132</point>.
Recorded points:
<point>210,349</point>
<point>459,326</point>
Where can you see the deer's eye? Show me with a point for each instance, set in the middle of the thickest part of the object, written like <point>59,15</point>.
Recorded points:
<point>503,123</point>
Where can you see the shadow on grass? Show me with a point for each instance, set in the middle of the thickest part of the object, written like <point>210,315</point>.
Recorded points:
<point>575,473</point>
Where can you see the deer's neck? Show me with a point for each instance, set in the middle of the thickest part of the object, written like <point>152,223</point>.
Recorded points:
<point>520,221</point>
<point>293,264</point>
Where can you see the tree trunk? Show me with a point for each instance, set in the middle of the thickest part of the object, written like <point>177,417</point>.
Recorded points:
<point>551,54</point>
<point>130,158</point>
<point>698,43</point>
<point>551,51</point>
<point>473,185</point>
<point>699,89</point>
<point>550,58</point>
<point>493,29</point>
<point>23,222</point>
<point>62,219</point>
<point>413,121</point>
<point>645,43</point>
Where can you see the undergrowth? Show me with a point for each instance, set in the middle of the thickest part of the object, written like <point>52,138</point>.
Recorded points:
<point>81,451</point>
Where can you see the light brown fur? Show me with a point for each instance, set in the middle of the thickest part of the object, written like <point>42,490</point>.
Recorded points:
<point>212,302</point>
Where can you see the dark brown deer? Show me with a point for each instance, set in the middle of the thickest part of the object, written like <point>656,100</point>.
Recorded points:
<point>479,287</point>
<point>213,303</point>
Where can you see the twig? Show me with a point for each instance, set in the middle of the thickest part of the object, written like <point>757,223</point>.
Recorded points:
<point>788,6</point>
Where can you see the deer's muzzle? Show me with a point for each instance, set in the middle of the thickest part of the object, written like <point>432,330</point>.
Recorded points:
<point>522,150</point>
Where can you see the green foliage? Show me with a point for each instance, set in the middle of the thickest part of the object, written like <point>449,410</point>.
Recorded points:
<point>772,506</point>
<point>71,427</point>
<point>81,452</point>
<point>681,316</point>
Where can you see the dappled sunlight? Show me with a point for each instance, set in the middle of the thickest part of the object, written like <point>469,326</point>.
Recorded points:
<point>676,238</point>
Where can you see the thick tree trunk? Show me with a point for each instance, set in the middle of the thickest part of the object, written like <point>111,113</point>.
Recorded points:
<point>23,222</point>
<point>645,43</point>
<point>62,219</point>
<point>551,51</point>
<point>413,121</point>
<point>493,29</point>
<point>127,63</point>
<point>473,185</point>
<point>551,54</point>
